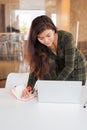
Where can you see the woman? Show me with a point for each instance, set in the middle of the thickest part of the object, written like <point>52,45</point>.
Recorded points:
<point>52,54</point>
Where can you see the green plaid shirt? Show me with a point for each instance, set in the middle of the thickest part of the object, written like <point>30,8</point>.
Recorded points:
<point>68,64</point>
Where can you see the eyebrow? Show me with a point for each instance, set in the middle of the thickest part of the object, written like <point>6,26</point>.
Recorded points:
<point>39,37</point>
<point>43,37</point>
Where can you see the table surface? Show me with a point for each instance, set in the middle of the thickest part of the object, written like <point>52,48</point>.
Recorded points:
<point>32,115</point>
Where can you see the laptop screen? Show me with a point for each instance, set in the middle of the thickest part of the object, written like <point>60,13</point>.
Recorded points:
<point>59,91</point>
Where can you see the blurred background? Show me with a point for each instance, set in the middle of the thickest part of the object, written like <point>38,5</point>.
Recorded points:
<point>15,20</point>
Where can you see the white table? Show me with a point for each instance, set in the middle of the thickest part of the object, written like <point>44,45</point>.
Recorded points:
<point>31,115</point>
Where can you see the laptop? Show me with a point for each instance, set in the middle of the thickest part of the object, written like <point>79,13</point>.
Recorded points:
<point>59,91</point>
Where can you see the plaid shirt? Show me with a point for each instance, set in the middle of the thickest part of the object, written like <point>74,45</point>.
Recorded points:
<point>68,64</point>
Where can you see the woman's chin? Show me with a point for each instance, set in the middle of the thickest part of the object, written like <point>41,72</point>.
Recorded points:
<point>49,45</point>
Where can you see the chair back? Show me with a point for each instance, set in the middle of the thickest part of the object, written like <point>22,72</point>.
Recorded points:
<point>14,79</point>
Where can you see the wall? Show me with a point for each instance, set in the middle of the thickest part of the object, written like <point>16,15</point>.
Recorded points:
<point>78,9</point>
<point>2,18</point>
<point>68,13</point>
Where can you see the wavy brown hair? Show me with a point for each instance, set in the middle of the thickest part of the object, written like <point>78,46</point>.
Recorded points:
<point>37,52</point>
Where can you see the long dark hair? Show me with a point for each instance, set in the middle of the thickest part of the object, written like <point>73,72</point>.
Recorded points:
<point>37,52</point>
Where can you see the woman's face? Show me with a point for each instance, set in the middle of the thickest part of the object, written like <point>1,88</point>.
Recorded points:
<point>47,37</point>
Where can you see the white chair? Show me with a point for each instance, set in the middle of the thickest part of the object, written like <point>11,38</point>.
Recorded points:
<point>14,79</point>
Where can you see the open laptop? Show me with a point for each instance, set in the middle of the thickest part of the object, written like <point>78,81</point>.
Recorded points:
<point>59,91</point>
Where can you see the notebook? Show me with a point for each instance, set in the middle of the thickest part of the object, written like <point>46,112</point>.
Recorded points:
<point>59,91</point>
<point>18,90</point>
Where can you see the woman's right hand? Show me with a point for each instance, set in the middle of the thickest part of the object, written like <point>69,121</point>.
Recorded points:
<point>26,92</point>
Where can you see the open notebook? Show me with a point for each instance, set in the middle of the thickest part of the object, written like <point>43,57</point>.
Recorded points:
<point>59,91</point>
<point>17,92</point>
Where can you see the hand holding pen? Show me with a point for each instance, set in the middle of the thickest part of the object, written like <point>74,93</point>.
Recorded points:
<point>27,92</point>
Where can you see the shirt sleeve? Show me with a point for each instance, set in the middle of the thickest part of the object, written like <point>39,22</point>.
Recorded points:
<point>31,80</point>
<point>69,57</point>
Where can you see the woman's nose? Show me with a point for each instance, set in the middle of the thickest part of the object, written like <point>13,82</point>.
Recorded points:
<point>46,40</point>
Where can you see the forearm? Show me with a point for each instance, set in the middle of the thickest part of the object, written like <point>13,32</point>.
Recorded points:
<point>65,73</point>
<point>31,81</point>
<point>69,65</point>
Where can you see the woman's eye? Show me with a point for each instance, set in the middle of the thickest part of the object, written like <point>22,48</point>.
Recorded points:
<point>41,38</point>
<point>48,35</point>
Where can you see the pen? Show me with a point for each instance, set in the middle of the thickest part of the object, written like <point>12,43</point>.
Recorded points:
<point>85,104</point>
